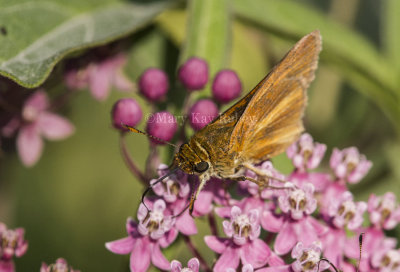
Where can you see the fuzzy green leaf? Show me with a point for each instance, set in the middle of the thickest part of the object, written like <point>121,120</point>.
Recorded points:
<point>36,35</point>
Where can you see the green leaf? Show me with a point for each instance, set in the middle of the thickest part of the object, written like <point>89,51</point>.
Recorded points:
<point>391,26</point>
<point>173,22</point>
<point>249,57</point>
<point>39,34</point>
<point>208,33</point>
<point>343,47</point>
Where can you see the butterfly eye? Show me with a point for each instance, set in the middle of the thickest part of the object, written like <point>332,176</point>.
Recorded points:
<point>201,167</point>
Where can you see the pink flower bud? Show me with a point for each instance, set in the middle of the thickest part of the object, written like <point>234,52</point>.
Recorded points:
<point>126,111</point>
<point>226,86</point>
<point>202,113</point>
<point>153,84</point>
<point>161,125</point>
<point>194,74</point>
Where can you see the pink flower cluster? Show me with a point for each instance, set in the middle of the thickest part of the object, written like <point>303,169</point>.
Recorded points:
<point>287,228</point>
<point>13,244</point>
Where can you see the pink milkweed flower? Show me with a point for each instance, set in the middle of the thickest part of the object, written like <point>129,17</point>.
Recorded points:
<point>295,223</point>
<point>60,265</point>
<point>100,77</point>
<point>305,153</point>
<point>384,211</point>
<point>306,260</point>
<point>175,190</point>
<point>173,187</point>
<point>155,229</point>
<point>298,202</point>
<point>12,244</point>
<point>193,266</point>
<point>374,239</point>
<point>38,122</point>
<point>243,243</point>
<point>349,165</point>
<point>386,259</point>
<point>345,212</point>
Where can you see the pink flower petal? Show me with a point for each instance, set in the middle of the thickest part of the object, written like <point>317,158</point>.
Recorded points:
<point>204,203</point>
<point>122,82</point>
<point>140,257</point>
<point>131,227</point>
<point>11,127</point>
<point>228,259</point>
<point>176,266</point>
<point>275,260</point>
<point>284,268</point>
<point>271,222</point>
<point>54,127</point>
<point>333,245</point>
<point>235,212</point>
<point>168,238</point>
<point>216,244</point>
<point>7,266</point>
<point>318,227</point>
<point>305,232</point>
<point>159,206</point>
<point>255,253</point>
<point>43,268</point>
<point>21,249</point>
<point>158,259</point>
<point>336,158</point>
<point>100,78</point>
<point>285,239</point>
<point>194,264</point>
<point>121,246</point>
<point>38,100</point>
<point>29,144</point>
<point>185,224</point>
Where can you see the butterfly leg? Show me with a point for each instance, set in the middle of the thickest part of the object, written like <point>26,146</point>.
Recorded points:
<point>260,173</point>
<point>195,194</point>
<point>260,183</point>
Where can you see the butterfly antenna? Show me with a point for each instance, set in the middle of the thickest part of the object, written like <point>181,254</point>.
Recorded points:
<point>156,182</point>
<point>360,242</point>
<point>135,130</point>
<point>329,262</point>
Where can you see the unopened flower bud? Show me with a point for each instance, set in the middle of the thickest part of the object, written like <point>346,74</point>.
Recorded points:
<point>202,113</point>
<point>153,84</point>
<point>226,86</point>
<point>194,74</point>
<point>126,111</point>
<point>161,125</point>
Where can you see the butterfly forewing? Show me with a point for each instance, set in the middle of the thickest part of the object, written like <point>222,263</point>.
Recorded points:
<point>272,118</point>
<point>217,133</point>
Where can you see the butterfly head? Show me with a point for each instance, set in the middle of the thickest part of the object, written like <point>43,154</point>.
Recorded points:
<point>187,160</point>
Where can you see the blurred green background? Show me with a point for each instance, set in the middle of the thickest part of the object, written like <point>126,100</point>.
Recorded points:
<point>80,193</point>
